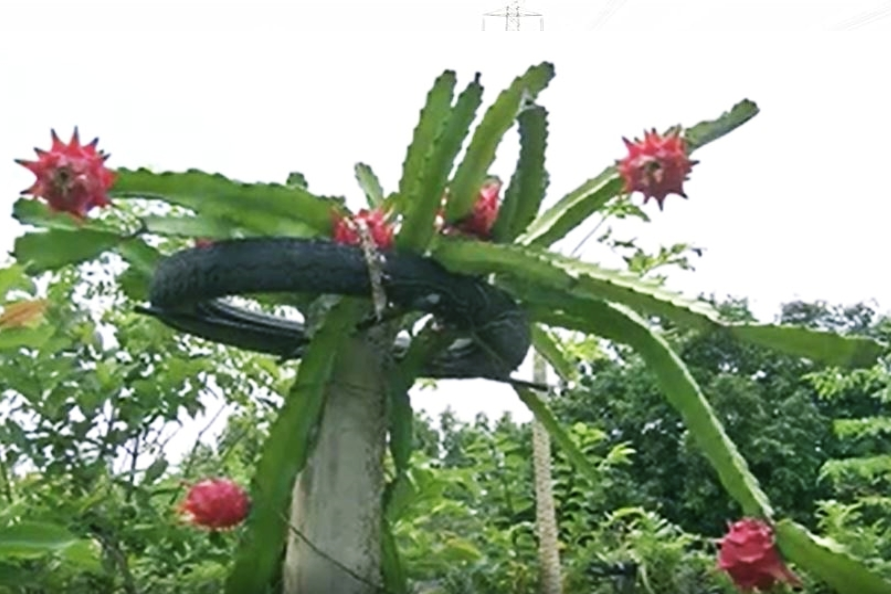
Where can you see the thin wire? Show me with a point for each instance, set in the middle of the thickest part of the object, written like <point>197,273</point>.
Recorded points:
<point>611,7</point>
<point>587,237</point>
<point>338,564</point>
<point>864,18</point>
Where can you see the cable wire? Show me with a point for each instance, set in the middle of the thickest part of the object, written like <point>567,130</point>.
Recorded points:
<point>864,18</point>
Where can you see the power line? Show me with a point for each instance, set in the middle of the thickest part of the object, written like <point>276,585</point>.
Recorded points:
<point>606,13</point>
<point>864,18</point>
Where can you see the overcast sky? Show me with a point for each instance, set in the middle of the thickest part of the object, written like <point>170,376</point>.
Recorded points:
<point>793,205</point>
<point>265,17</point>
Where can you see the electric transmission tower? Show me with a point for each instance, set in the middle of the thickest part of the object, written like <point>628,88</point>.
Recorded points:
<point>513,14</point>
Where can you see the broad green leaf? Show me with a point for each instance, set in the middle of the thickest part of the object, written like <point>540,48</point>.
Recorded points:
<point>30,540</point>
<point>85,554</point>
<point>548,348</point>
<point>543,415</point>
<point>460,550</point>
<point>572,209</point>
<point>370,184</point>
<point>523,196</point>
<point>269,209</point>
<point>540,275</point>
<point>827,560</point>
<point>32,338</point>
<point>32,212</point>
<point>498,120</point>
<point>50,250</point>
<point>434,115</point>
<point>710,130</point>
<point>285,453</point>
<point>825,347</point>
<point>420,213</point>
<point>202,227</point>
<point>549,279</point>
<point>392,568</point>
<point>620,324</point>
<point>12,278</point>
<point>591,196</point>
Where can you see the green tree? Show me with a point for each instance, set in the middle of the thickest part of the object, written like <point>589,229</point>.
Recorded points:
<point>466,524</point>
<point>766,402</point>
<point>88,414</point>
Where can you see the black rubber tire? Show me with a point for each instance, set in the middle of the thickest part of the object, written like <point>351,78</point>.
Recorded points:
<point>186,287</point>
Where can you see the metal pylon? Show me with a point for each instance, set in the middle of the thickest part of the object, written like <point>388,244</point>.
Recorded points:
<point>513,15</point>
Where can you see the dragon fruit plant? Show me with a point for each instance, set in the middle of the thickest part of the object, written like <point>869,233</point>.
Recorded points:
<point>445,236</point>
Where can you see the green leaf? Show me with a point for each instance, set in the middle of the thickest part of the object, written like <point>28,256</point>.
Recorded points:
<point>50,250</point>
<point>33,338</point>
<point>268,209</point>
<point>572,209</point>
<point>30,540</point>
<point>370,184</point>
<point>285,453</point>
<point>710,130</point>
<point>828,561</point>
<point>498,120</point>
<point>142,259</point>
<point>591,196</point>
<point>547,278</point>
<point>622,325</point>
<point>401,429</point>
<point>14,278</point>
<point>420,212</point>
<point>85,554</point>
<point>155,470</point>
<point>825,347</point>
<point>399,494</point>
<point>867,427</point>
<point>297,180</point>
<point>189,226</point>
<point>547,347</point>
<point>526,191</point>
<point>402,378</point>
<point>392,568</point>
<point>139,255</point>
<point>543,415</point>
<point>460,550</point>
<point>434,115</point>
<point>32,212</point>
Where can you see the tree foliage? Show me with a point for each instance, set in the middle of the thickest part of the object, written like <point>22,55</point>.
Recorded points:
<point>769,405</point>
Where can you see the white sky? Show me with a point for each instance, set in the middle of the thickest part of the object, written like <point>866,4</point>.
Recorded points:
<point>793,205</point>
<point>266,17</point>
